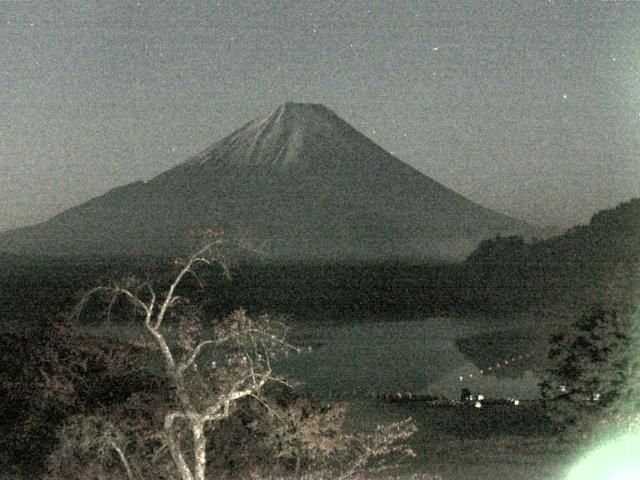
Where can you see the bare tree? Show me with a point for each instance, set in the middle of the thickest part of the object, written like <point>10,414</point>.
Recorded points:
<point>210,373</point>
<point>95,436</point>
<point>318,435</point>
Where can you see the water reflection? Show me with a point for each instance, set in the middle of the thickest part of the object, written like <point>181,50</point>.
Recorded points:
<point>416,356</point>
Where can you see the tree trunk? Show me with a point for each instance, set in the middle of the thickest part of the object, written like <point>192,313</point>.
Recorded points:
<point>199,449</point>
<point>178,460</point>
<point>176,452</point>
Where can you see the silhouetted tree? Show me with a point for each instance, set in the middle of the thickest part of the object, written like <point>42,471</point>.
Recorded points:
<point>593,374</point>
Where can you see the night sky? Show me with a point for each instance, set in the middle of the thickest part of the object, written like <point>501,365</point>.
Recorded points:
<point>531,108</point>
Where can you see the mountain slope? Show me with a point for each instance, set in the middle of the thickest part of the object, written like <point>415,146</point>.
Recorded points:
<point>298,183</point>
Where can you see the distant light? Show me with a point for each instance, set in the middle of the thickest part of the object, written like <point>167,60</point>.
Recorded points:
<point>477,405</point>
<point>516,402</point>
<point>435,49</point>
<point>480,397</point>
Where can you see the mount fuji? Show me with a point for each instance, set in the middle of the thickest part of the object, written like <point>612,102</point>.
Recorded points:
<point>298,183</point>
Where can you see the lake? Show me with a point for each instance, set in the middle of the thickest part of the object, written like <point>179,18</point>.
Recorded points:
<point>418,355</point>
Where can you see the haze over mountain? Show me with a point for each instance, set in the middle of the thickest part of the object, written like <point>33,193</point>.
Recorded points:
<point>297,183</point>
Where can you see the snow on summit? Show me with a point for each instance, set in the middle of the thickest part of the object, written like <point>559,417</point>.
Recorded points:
<point>299,181</point>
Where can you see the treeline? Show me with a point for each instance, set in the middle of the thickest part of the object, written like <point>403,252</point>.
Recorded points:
<point>35,289</point>
<point>39,288</point>
<point>504,275</point>
<point>588,264</point>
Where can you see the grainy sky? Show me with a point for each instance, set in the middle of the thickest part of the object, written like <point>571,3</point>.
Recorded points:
<point>531,108</point>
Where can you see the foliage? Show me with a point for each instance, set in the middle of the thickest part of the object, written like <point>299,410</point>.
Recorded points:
<point>314,438</point>
<point>592,378</point>
<point>566,272</point>
<point>89,440</point>
<point>379,450</point>
<point>217,372</point>
<point>238,364</point>
<point>52,374</point>
<point>82,406</point>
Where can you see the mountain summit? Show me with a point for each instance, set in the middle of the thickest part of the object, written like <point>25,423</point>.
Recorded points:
<point>280,138</point>
<point>299,183</point>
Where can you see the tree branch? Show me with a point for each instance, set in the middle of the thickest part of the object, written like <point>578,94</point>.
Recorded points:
<point>194,354</point>
<point>123,460</point>
<point>195,258</point>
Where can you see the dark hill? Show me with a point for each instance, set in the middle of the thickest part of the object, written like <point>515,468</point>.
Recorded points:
<point>596,263</point>
<point>297,183</point>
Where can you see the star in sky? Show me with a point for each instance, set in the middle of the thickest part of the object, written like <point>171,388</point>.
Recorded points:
<point>189,75</point>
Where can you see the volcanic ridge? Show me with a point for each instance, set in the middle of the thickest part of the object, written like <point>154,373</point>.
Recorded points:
<point>298,183</point>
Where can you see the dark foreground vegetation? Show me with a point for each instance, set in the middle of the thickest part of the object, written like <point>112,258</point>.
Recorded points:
<point>190,398</point>
<point>73,404</point>
<point>54,373</point>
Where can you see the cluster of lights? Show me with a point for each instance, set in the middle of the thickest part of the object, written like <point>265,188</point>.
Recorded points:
<point>478,401</point>
<point>502,364</point>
